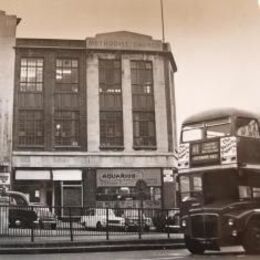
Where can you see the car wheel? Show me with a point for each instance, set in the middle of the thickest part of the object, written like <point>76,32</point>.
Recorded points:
<point>12,223</point>
<point>251,238</point>
<point>53,226</point>
<point>99,226</point>
<point>41,225</point>
<point>194,246</point>
<point>146,228</point>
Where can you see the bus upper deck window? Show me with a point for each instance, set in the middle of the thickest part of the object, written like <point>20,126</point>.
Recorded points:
<point>247,127</point>
<point>192,133</point>
<point>218,128</point>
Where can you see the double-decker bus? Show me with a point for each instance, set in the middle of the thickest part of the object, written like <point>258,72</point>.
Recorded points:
<point>219,180</point>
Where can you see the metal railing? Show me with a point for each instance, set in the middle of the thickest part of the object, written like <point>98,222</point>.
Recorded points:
<point>70,222</point>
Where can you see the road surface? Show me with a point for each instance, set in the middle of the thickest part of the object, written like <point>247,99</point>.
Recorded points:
<point>227,254</point>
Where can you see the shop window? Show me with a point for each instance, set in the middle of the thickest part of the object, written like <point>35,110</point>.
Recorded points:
<point>110,102</point>
<point>143,104</point>
<point>31,75</point>
<point>30,128</point>
<point>66,128</point>
<point>125,197</point>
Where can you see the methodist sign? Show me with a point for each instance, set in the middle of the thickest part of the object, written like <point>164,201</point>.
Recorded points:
<point>124,41</point>
<point>127,177</point>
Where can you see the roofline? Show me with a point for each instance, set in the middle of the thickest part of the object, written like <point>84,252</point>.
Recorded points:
<point>218,113</point>
<point>81,46</point>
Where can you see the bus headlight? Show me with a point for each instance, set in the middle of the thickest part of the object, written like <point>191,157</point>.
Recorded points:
<point>231,222</point>
<point>184,223</point>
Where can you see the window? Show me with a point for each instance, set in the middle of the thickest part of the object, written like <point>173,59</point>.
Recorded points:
<point>190,186</point>
<point>67,77</point>
<point>111,129</point>
<point>192,132</point>
<point>30,128</point>
<point>144,129</point>
<point>209,129</point>
<point>142,85</point>
<point>110,102</point>
<point>31,75</point>
<point>66,128</point>
<point>143,104</point>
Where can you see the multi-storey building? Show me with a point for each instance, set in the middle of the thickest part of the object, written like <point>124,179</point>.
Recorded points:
<point>8,25</point>
<point>92,117</point>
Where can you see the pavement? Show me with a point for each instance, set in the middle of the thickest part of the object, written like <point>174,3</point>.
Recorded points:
<point>116,242</point>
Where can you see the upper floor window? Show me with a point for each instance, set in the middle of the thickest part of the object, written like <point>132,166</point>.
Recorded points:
<point>142,85</point>
<point>110,104</point>
<point>31,75</point>
<point>67,75</point>
<point>144,129</point>
<point>67,130</point>
<point>111,132</point>
<point>110,96</point>
<point>30,128</point>
<point>143,104</point>
<point>109,76</point>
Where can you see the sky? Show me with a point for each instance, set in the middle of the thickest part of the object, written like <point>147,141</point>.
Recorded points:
<point>216,43</point>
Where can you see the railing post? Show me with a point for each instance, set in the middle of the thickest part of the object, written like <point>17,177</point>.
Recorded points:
<point>71,228</point>
<point>107,226</point>
<point>167,223</point>
<point>32,228</point>
<point>139,224</point>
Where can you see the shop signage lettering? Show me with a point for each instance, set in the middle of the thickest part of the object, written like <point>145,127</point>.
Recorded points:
<point>127,177</point>
<point>119,176</point>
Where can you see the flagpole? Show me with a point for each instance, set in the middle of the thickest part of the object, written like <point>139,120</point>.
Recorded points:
<point>162,21</point>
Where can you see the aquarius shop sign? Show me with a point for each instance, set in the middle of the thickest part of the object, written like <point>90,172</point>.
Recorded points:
<point>127,177</point>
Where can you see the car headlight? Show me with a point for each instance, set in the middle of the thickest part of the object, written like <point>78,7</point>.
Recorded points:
<point>231,222</point>
<point>184,223</point>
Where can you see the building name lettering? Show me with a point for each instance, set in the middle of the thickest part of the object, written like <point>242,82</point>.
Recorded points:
<point>123,44</point>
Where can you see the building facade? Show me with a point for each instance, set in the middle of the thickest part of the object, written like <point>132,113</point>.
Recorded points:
<point>8,25</point>
<point>92,117</point>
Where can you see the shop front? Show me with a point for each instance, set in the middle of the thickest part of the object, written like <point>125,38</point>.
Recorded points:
<point>60,188</point>
<point>116,188</point>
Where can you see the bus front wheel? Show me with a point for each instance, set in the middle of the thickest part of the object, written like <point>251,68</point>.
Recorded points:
<point>251,238</point>
<point>194,246</point>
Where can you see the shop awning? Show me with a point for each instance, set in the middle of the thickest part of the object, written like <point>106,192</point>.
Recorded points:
<point>67,175</point>
<point>32,175</point>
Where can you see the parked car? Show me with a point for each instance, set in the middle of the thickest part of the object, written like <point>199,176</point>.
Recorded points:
<point>97,218</point>
<point>133,222</point>
<point>21,214</point>
<point>168,221</point>
<point>45,218</point>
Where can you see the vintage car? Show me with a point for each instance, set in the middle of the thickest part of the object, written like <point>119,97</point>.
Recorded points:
<point>24,214</point>
<point>46,219</point>
<point>100,218</point>
<point>135,219</point>
<point>21,213</point>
